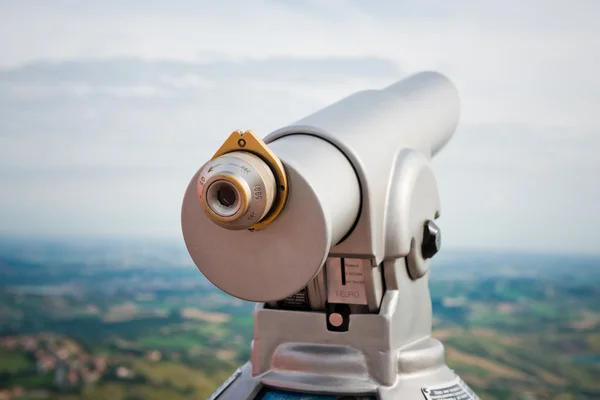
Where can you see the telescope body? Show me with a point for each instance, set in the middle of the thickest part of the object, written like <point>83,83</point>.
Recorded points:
<point>341,162</point>
<point>339,264</point>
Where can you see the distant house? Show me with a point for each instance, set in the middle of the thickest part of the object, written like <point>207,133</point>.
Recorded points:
<point>60,375</point>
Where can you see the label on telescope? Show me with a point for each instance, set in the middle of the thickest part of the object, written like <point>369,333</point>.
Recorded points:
<point>346,280</point>
<point>456,389</point>
<point>297,301</point>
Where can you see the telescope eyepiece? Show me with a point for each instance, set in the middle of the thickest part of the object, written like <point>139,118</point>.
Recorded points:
<point>224,197</point>
<point>236,190</point>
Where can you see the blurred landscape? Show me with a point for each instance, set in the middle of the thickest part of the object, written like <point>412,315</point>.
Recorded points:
<point>85,319</point>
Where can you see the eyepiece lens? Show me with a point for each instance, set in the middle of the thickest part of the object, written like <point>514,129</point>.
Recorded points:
<point>226,196</point>
<point>236,190</point>
<point>223,198</point>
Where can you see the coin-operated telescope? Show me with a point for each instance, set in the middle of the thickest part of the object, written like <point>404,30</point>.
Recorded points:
<point>328,224</point>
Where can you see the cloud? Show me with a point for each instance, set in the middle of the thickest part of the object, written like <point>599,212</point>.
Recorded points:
<point>136,71</point>
<point>511,61</point>
<point>513,185</point>
<point>76,114</point>
<point>107,108</point>
<point>85,147</point>
<point>96,161</point>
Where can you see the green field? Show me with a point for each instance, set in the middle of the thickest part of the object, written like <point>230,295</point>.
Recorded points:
<point>14,362</point>
<point>164,333</point>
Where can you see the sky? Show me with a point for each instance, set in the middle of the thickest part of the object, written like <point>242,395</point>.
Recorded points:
<point>107,108</point>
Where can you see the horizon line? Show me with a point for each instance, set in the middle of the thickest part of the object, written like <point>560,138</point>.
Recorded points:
<point>178,240</point>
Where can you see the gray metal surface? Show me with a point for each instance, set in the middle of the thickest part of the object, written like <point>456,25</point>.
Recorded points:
<point>420,366</point>
<point>275,262</point>
<point>403,319</point>
<point>420,112</point>
<point>359,170</point>
<point>390,354</point>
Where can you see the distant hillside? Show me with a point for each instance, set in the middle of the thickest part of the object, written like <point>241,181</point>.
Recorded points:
<point>125,320</point>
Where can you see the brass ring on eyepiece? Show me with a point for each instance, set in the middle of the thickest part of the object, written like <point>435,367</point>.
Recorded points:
<point>250,142</point>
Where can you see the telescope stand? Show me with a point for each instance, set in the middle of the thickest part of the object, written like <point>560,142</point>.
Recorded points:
<point>328,226</point>
<point>389,355</point>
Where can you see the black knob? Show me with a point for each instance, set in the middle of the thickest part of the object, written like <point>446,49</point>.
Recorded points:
<point>432,240</point>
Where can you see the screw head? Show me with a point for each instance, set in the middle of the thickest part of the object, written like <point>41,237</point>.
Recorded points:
<point>336,319</point>
<point>432,240</point>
